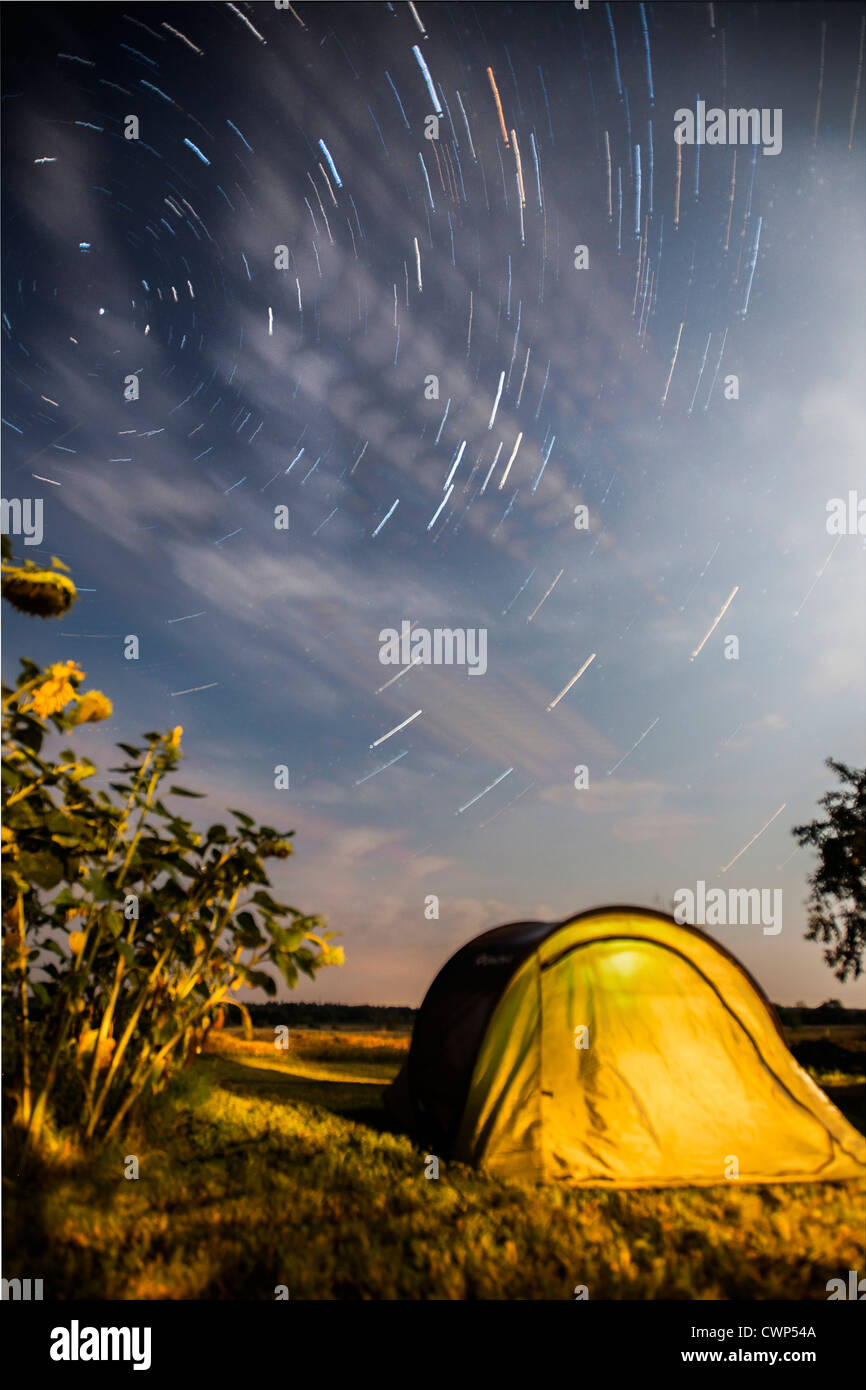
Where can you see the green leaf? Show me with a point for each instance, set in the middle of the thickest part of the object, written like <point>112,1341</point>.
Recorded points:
<point>259,979</point>
<point>83,768</point>
<point>286,967</point>
<point>182,791</point>
<point>241,816</point>
<point>247,930</point>
<point>66,898</point>
<point>130,750</point>
<point>101,890</point>
<point>263,899</point>
<point>124,949</point>
<point>29,733</point>
<point>29,671</point>
<point>306,961</point>
<point>42,869</point>
<point>49,944</point>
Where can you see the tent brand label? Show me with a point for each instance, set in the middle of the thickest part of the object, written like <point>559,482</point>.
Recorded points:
<point>739,126</point>
<point>76,1343</point>
<point>443,646</point>
<point>736,907</point>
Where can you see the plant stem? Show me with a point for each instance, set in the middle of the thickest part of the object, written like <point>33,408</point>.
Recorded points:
<point>23,1116</point>
<point>108,1013</point>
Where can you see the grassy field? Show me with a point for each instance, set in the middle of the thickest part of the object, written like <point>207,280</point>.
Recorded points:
<point>262,1168</point>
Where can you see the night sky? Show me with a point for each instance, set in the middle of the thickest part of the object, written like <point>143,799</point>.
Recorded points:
<point>308,387</point>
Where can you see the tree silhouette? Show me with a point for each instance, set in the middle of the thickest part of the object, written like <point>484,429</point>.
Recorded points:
<point>837,903</point>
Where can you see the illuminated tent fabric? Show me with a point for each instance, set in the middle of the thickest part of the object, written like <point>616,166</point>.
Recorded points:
<point>615,1049</point>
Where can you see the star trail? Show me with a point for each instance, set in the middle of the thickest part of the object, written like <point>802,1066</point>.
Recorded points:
<point>318,318</point>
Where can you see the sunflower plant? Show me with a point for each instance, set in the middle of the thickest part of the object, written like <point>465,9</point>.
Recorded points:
<point>126,930</point>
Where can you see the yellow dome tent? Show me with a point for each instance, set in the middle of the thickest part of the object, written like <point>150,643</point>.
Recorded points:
<point>616,1049</point>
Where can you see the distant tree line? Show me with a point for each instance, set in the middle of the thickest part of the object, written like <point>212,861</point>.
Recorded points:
<point>832,1011</point>
<point>309,1015</point>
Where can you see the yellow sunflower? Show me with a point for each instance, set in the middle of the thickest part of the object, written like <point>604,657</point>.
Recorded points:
<point>57,691</point>
<point>43,593</point>
<point>92,707</point>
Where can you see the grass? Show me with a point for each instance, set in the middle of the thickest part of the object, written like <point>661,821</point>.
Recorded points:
<point>261,1168</point>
